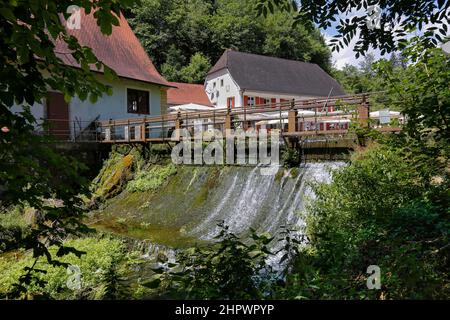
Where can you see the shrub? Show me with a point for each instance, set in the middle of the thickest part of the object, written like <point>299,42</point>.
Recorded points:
<point>291,158</point>
<point>380,210</point>
<point>151,178</point>
<point>103,257</point>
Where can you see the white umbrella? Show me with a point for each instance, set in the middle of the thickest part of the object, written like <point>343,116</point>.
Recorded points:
<point>190,107</point>
<point>338,121</point>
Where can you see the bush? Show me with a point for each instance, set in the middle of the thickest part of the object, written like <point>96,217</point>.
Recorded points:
<point>380,210</point>
<point>229,269</point>
<point>102,263</point>
<point>291,158</point>
<point>151,178</point>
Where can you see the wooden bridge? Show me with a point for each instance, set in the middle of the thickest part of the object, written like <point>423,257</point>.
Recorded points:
<point>294,119</point>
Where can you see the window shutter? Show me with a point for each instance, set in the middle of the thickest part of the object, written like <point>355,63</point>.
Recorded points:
<point>273,102</point>
<point>245,101</point>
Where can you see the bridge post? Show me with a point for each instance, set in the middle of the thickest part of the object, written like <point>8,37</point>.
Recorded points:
<point>126,131</point>
<point>363,113</point>
<point>142,137</point>
<point>108,134</point>
<point>137,133</point>
<point>227,125</point>
<point>292,119</point>
<point>177,126</point>
<point>292,125</point>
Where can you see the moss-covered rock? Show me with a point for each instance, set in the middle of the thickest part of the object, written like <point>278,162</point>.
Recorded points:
<point>116,172</point>
<point>151,178</point>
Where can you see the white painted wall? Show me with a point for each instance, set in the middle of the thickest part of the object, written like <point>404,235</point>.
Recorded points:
<point>227,90</point>
<point>37,110</point>
<point>231,89</point>
<point>107,107</point>
<point>115,106</point>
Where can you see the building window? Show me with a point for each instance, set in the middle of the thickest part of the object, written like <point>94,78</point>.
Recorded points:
<point>250,101</point>
<point>138,101</point>
<point>230,102</point>
<point>221,82</point>
<point>214,85</point>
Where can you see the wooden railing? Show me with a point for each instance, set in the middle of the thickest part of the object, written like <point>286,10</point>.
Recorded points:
<point>294,118</point>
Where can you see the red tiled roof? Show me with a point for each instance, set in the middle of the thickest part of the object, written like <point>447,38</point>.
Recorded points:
<point>121,51</point>
<point>185,93</point>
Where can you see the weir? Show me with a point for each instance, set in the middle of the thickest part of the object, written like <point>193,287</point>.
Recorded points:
<point>193,201</point>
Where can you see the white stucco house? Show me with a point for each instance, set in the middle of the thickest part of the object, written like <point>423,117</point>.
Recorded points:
<point>241,79</point>
<point>139,91</point>
<point>246,80</point>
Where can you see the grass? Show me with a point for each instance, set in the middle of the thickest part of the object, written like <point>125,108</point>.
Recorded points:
<point>101,255</point>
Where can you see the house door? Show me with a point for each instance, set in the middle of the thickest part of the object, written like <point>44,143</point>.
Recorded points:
<point>58,116</point>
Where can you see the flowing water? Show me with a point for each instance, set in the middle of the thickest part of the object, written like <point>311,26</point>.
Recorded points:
<point>188,208</point>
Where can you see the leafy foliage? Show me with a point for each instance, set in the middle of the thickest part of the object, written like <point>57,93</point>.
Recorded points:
<point>397,19</point>
<point>31,172</point>
<point>102,271</point>
<point>374,213</point>
<point>230,269</point>
<point>291,158</point>
<point>194,72</point>
<point>421,91</point>
<point>176,33</point>
<point>151,178</point>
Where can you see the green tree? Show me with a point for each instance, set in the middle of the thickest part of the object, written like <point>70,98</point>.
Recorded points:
<point>31,173</point>
<point>362,79</point>
<point>173,31</point>
<point>175,60</point>
<point>421,91</point>
<point>196,70</point>
<point>166,26</point>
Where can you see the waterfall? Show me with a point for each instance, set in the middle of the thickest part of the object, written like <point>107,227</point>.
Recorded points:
<point>187,209</point>
<point>262,202</point>
<point>265,203</point>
